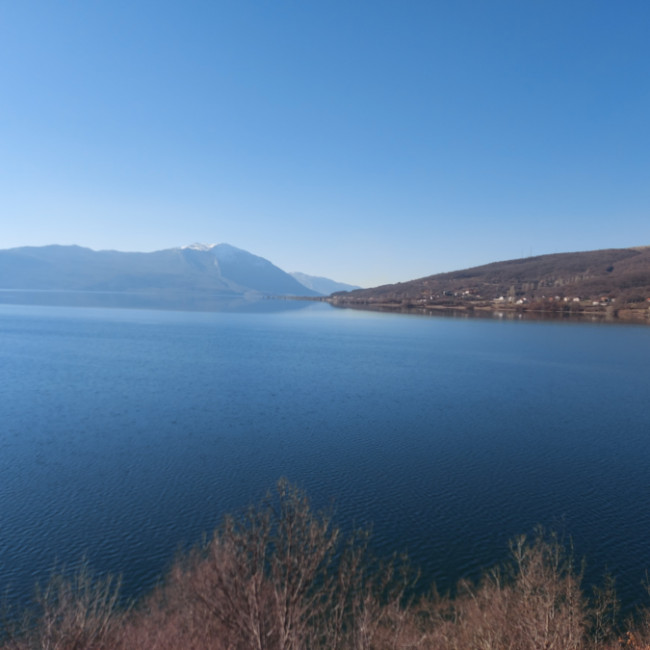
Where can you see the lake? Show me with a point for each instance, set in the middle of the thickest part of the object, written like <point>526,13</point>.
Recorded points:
<point>126,434</point>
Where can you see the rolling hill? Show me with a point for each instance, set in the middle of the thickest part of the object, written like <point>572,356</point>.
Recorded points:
<point>599,279</point>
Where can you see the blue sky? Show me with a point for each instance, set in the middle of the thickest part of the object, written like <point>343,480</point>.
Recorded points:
<point>369,142</point>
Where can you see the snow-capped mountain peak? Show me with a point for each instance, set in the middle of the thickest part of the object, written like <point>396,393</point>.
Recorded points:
<point>199,247</point>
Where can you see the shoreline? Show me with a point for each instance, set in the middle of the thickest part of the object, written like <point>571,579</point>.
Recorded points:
<point>485,310</point>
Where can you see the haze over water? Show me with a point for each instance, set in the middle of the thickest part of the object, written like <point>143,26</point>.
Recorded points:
<point>126,433</point>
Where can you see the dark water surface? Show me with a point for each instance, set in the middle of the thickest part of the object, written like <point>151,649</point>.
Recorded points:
<point>126,433</point>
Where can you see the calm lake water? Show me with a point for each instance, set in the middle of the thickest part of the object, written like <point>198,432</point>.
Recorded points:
<point>126,433</point>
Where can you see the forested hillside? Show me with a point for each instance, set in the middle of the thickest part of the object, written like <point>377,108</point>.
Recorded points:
<point>614,279</point>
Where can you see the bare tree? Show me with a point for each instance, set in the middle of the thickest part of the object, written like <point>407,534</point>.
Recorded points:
<point>76,613</point>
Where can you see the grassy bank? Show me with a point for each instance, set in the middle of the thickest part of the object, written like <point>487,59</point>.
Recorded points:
<point>284,577</point>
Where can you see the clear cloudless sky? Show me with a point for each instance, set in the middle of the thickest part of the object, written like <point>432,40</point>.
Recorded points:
<point>367,141</point>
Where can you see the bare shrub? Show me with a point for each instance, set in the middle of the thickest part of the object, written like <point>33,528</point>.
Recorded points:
<point>637,633</point>
<point>77,613</point>
<point>533,603</point>
<point>603,614</point>
<point>282,578</point>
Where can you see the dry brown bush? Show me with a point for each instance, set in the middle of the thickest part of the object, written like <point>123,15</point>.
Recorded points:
<point>534,602</point>
<point>282,577</point>
<point>76,613</point>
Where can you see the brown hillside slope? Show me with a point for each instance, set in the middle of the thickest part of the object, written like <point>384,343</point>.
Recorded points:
<point>612,277</point>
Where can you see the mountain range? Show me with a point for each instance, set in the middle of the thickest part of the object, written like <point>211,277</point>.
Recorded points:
<point>205,273</point>
<point>218,269</point>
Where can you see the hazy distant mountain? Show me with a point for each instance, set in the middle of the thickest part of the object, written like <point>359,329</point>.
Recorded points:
<point>602,276</point>
<point>216,269</point>
<point>324,286</point>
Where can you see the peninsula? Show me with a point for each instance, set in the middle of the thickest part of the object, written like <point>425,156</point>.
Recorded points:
<point>614,283</point>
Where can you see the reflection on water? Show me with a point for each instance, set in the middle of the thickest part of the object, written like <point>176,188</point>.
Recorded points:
<point>501,314</point>
<point>160,300</point>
